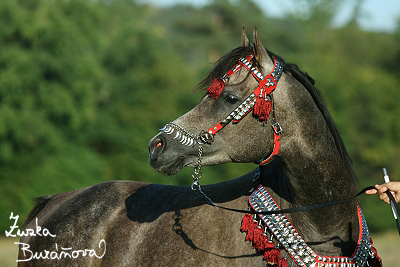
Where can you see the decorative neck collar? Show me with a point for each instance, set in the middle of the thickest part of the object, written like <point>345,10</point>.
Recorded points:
<point>291,241</point>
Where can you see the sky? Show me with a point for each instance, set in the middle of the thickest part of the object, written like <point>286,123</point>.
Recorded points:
<point>378,15</point>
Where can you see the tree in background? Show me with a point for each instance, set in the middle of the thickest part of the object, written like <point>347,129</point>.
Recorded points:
<point>85,84</point>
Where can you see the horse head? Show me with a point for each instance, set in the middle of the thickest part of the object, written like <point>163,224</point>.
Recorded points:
<point>243,138</point>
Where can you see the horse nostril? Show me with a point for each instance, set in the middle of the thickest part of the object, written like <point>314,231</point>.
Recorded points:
<point>155,147</point>
<point>159,143</point>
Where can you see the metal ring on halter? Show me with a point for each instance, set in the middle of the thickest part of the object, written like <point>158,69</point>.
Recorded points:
<point>195,186</point>
<point>197,189</point>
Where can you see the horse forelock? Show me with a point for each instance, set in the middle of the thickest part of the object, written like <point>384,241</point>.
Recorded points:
<point>230,59</point>
<point>225,63</point>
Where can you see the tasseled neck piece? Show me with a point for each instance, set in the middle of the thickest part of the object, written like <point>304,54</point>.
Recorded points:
<point>260,241</point>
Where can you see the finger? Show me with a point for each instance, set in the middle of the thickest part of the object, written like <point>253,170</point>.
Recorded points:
<point>396,195</point>
<point>385,198</point>
<point>394,186</point>
<point>382,190</point>
<point>371,191</point>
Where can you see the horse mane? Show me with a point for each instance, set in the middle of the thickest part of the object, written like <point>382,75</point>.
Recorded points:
<point>227,61</point>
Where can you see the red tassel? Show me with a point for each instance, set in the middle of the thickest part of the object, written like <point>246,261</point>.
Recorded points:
<point>259,239</point>
<point>216,87</point>
<point>255,234</point>
<point>246,221</point>
<point>374,260</point>
<point>283,263</point>
<point>261,243</point>
<point>262,108</point>
<point>250,231</point>
<point>272,256</point>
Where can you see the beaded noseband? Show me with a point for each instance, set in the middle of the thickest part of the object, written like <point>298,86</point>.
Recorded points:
<point>184,137</point>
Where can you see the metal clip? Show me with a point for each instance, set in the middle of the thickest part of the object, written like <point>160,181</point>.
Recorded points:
<point>197,189</point>
<point>277,128</point>
<point>205,137</point>
<point>257,175</point>
<point>195,186</point>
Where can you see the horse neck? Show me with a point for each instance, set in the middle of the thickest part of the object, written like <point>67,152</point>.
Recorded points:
<point>311,157</point>
<point>314,172</point>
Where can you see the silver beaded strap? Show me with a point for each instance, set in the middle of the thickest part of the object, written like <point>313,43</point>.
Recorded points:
<point>240,111</point>
<point>295,246</point>
<point>184,137</point>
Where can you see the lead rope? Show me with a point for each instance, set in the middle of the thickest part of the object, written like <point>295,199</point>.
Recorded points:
<point>197,189</point>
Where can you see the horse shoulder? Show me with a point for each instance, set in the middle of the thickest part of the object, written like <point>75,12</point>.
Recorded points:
<point>174,227</point>
<point>144,225</point>
<point>76,220</point>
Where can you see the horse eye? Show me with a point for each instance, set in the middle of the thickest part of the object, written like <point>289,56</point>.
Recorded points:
<point>231,99</point>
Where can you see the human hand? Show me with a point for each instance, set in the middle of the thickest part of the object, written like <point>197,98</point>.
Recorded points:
<point>394,188</point>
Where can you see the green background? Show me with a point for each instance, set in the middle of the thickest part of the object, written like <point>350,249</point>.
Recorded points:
<point>85,84</point>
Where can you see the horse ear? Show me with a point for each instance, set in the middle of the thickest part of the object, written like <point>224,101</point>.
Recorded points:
<point>245,40</point>
<point>259,50</point>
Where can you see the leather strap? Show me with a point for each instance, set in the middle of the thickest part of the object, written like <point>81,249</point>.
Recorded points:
<point>302,208</point>
<point>290,210</point>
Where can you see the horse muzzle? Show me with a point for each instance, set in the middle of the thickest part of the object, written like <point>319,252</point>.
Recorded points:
<point>167,155</point>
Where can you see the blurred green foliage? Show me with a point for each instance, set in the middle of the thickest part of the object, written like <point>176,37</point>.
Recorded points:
<point>85,84</point>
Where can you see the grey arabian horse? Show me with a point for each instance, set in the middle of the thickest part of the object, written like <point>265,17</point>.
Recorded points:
<point>126,223</point>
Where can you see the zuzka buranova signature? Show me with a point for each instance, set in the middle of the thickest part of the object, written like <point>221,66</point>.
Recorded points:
<point>58,252</point>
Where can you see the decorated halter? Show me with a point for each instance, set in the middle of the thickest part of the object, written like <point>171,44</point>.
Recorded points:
<point>260,102</point>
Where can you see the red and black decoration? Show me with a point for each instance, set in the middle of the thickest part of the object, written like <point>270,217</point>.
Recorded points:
<point>263,104</point>
<point>260,241</point>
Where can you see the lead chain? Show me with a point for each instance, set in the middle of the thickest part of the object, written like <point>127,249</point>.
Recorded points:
<point>197,175</point>
<point>197,170</point>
